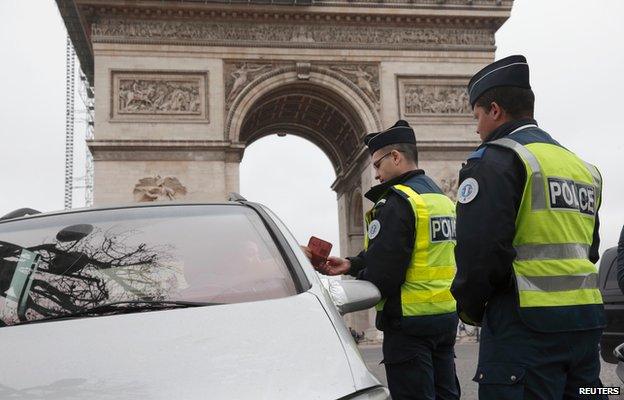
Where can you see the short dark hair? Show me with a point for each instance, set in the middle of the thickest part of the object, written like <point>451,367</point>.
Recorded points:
<point>517,102</point>
<point>408,149</point>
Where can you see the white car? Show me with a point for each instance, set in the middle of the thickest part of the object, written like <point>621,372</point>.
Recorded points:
<point>172,301</point>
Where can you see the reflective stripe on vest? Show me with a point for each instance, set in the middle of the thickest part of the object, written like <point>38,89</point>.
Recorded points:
<point>426,290</point>
<point>552,251</point>
<point>538,197</point>
<point>557,283</point>
<point>554,227</point>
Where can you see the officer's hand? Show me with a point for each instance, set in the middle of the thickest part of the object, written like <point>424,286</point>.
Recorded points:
<point>335,266</point>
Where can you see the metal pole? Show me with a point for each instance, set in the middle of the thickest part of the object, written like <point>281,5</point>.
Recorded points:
<point>69,123</point>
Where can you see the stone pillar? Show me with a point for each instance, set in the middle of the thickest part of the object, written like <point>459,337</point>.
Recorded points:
<point>343,220</point>
<point>233,158</point>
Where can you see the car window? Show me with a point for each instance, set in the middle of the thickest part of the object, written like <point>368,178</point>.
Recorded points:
<point>290,238</point>
<point>62,264</point>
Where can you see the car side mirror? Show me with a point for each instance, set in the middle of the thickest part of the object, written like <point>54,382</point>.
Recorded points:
<point>619,352</point>
<point>352,295</point>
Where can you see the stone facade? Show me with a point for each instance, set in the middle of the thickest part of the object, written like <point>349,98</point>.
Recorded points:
<point>183,87</point>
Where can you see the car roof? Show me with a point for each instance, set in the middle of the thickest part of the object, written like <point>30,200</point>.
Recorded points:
<point>124,206</point>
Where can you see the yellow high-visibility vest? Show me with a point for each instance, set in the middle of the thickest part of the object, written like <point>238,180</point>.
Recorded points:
<point>426,290</point>
<point>554,227</point>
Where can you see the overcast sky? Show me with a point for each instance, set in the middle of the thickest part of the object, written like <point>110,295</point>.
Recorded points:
<point>575,53</point>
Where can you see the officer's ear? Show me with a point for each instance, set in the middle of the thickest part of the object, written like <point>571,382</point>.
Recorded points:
<point>497,113</point>
<point>396,157</point>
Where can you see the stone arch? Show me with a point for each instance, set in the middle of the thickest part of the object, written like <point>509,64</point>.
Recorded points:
<point>325,108</point>
<point>330,81</point>
<point>343,112</point>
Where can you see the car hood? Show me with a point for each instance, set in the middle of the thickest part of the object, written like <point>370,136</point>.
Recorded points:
<point>276,349</point>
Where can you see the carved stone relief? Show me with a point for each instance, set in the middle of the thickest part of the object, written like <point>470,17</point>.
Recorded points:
<point>427,98</point>
<point>303,70</point>
<point>449,187</point>
<point>240,74</point>
<point>365,77</point>
<point>151,95</point>
<point>157,189</point>
<point>436,100</point>
<point>356,212</point>
<point>287,35</point>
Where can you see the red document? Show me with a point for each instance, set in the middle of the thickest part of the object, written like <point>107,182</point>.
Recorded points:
<point>320,251</point>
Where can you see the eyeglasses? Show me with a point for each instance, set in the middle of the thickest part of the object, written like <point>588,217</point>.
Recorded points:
<point>377,163</point>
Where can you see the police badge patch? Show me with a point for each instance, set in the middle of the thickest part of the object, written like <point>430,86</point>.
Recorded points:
<point>373,229</point>
<point>467,190</point>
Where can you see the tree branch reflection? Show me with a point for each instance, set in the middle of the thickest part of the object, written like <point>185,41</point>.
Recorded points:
<point>103,266</point>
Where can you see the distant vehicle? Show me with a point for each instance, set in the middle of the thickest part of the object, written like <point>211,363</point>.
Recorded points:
<point>173,301</point>
<point>613,334</point>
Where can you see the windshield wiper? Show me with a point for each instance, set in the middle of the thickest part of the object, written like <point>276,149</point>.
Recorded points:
<point>123,307</point>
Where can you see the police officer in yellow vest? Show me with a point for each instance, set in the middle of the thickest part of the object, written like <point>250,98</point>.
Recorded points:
<point>527,241</point>
<point>409,256</point>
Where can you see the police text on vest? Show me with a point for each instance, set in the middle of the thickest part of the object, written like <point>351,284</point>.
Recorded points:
<point>570,195</point>
<point>442,229</point>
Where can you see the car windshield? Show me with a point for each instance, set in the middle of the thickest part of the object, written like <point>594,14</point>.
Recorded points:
<point>54,266</point>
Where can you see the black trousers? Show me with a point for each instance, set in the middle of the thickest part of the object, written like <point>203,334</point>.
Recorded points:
<point>517,363</point>
<point>429,371</point>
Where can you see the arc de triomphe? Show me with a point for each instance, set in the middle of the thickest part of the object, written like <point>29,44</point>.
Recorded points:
<point>182,87</point>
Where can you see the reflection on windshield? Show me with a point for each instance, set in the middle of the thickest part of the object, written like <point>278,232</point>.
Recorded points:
<point>56,278</point>
<point>216,256</point>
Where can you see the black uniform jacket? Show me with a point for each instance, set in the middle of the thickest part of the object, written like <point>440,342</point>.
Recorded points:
<point>389,254</point>
<point>486,228</point>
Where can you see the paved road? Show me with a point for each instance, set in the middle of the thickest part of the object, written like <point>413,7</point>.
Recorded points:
<point>466,365</point>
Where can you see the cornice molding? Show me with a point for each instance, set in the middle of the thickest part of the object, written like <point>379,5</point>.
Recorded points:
<point>138,144</point>
<point>191,8</point>
<point>79,35</point>
<point>487,15</point>
<point>165,150</point>
<point>291,35</point>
